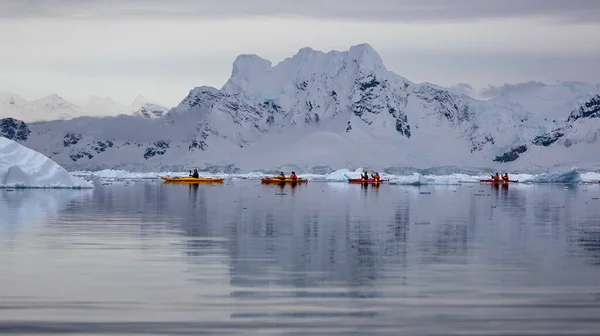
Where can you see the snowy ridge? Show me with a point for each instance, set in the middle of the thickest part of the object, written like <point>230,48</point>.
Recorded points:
<point>147,109</point>
<point>54,107</point>
<point>320,111</point>
<point>25,168</point>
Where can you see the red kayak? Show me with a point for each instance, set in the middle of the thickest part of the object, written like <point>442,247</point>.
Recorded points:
<point>499,181</point>
<point>357,180</point>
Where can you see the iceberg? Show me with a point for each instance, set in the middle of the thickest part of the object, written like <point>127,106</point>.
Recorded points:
<point>590,177</point>
<point>569,176</point>
<point>414,179</point>
<point>22,167</point>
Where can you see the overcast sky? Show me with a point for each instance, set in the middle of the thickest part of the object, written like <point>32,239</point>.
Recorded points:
<point>161,49</point>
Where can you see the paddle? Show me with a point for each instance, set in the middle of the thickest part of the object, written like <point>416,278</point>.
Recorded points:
<point>487,171</point>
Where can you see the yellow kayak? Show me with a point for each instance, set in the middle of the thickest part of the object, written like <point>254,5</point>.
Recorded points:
<point>193,179</point>
<point>287,180</point>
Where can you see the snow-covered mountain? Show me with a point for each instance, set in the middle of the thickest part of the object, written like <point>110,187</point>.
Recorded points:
<point>321,111</point>
<point>103,106</point>
<point>54,107</point>
<point>147,109</point>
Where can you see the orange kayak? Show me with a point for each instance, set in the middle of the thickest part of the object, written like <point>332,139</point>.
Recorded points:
<point>499,181</point>
<point>357,180</point>
<point>277,180</point>
<point>193,179</point>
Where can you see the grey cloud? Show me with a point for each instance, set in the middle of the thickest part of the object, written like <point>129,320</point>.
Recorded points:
<point>464,88</point>
<point>567,11</point>
<point>492,91</point>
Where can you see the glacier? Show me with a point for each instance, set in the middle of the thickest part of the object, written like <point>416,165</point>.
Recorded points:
<point>317,112</point>
<point>25,168</point>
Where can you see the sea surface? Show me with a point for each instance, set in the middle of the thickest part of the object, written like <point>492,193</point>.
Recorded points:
<point>150,258</point>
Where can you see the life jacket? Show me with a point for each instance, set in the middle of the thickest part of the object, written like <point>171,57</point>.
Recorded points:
<point>281,176</point>
<point>293,177</point>
<point>376,177</point>
<point>505,177</point>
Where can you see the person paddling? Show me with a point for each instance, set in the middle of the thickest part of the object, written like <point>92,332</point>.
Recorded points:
<point>376,176</point>
<point>281,176</point>
<point>195,174</point>
<point>293,176</point>
<point>505,177</point>
<point>496,177</point>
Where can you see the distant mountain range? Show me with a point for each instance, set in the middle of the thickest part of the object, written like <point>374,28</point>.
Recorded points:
<point>54,107</point>
<point>320,111</point>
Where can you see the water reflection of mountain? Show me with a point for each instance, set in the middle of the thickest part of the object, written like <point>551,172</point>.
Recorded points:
<point>319,233</point>
<point>301,247</point>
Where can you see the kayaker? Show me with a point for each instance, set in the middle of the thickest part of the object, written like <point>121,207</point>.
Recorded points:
<point>505,177</point>
<point>195,174</point>
<point>496,177</point>
<point>293,176</point>
<point>281,176</point>
<point>376,176</point>
<point>364,177</point>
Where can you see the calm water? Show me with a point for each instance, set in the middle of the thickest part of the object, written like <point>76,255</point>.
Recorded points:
<point>322,258</point>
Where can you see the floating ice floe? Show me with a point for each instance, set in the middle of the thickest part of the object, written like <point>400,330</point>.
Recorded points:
<point>342,175</point>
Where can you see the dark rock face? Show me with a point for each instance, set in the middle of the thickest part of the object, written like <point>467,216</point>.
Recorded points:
<point>101,146</point>
<point>376,96</point>
<point>160,148</point>
<point>71,139</point>
<point>197,145</point>
<point>511,155</point>
<point>548,138</point>
<point>14,129</point>
<point>478,143</point>
<point>590,109</point>
<point>446,104</point>
<point>478,140</point>
<point>79,155</point>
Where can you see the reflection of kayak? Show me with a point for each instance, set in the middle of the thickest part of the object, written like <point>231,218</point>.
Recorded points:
<point>357,180</point>
<point>500,181</point>
<point>193,179</point>
<point>287,180</point>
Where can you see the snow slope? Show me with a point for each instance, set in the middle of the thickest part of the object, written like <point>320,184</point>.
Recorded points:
<point>318,112</point>
<point>23,167</point>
